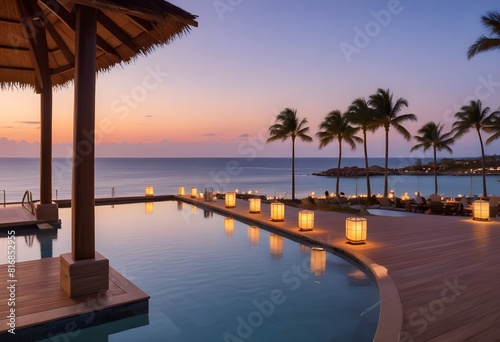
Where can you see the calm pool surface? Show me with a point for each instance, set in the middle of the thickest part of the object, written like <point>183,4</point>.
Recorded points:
<point>393,213</point>
<point>212,281</point>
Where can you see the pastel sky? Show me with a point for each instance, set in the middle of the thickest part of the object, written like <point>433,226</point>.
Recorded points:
<point>216,91</point>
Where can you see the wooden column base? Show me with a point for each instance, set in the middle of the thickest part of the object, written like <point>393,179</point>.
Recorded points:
<point>47,212</point>
<point>83,277</point>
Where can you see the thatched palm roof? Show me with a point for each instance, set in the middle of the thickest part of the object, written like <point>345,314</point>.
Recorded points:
<point>34,33</point>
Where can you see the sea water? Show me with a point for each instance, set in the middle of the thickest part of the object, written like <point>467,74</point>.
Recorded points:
<point>263,176</point>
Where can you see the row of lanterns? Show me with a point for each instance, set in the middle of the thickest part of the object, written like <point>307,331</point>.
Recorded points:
<point>356,227</point>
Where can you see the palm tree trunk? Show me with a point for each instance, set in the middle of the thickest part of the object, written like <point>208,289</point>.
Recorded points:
<point>483,162</point>
<point>293,169</point>
<point>338,169</point>
<point>386,182</point>
<point>368,189</point>
<point>435,173</point>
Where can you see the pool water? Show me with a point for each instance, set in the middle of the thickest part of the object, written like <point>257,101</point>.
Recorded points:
<point>392,213</point>
<point>214,279</point>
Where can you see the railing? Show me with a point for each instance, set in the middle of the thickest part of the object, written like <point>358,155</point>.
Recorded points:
<point>4,202</point>
<point>29,197</point>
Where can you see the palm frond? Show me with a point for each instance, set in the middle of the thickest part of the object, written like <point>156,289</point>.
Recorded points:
<point>483,44</point>
<point>492,23</point>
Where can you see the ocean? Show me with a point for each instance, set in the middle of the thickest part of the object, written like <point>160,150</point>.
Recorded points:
<point>264,176</point>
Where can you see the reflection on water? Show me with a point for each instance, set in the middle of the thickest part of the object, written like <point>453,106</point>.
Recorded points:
<point>276,246</point>
<point>358,278</point>
<point>44,237</point>
<point>180,206</point>
<point>229,226</point>
<point>318,261</point>
<point>253,235</point>
<point>29,239</point>
<point>149,207</point>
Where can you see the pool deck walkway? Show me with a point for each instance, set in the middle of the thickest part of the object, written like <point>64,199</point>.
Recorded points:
<point>438,275</point>
<point>43,310</point>
<point>16,215</point>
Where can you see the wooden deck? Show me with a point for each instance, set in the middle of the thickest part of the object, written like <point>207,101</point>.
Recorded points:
<point>16,215</point>
<point>437,275</point>
<point>43,310</point>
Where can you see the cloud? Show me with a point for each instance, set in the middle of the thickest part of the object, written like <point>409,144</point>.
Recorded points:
<point>29,122</point>
<point>244,135</point>
<point>209,134</point>
<point>7,126</point>
<point>149,116</point>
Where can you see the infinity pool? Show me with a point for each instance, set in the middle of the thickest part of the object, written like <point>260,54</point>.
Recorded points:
<point>215,279</point>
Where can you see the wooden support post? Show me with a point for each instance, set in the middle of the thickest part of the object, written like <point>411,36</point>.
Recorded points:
<point>45,210</point>
<point>84,271</point>
<point>46,146</point>
<point>82,200</point>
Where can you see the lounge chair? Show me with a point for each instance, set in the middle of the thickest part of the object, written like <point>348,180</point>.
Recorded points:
<point>320,202</point>
<point>341,201</point>
<point>465,207</point>
<point>385,203</point>
<point>494,206</point>
<point>421,203</point>
<point>435,204</point>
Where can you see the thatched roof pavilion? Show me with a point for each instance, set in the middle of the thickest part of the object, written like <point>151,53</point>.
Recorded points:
<point>47,43</point>
<point>125,29</point>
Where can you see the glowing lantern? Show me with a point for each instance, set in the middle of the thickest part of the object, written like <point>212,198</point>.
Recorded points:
<point>229,226</point>
<point>230,200</point>
<point>149,191</point>
<point>318,261</point>
<point>254,205</point>
<point>149,207</point>
<point>181,191</point>
<point>254,235</point>
<point>276,245</point>
<point>194,192</point>
<point>391,194</point>
<point>480,210</point>
<point>355,230</point>
<point>306,220</point>
<point>277,212</point>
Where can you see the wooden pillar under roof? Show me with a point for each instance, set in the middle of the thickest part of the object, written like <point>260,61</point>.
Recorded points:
<point>82,198</point>
<point>84,271</point>
<point>46,146</point>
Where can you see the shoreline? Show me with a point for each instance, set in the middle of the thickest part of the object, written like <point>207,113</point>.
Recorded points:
<point>354,171</point>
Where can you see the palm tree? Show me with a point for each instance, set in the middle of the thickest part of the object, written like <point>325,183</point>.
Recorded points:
<point>493,126</point>
<point>360,114</point>
<point>433,137</point>
<point>492,22</point>
<point>336,127</point>
<point>387,115</point>
<point>288,126</point>
<point>474,116</point>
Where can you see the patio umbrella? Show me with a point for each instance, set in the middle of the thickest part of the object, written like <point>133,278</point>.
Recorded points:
<point>48,43</point>
<point>38,47</point>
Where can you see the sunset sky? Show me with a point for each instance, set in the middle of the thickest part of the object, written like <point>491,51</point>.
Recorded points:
<point>216,91</point>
